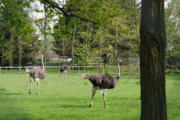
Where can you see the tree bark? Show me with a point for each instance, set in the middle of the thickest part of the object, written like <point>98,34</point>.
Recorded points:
<point>2,62</point>
<point>45,42</point>
<point>11,51</point>
<point>73,39</point>
<point>116,41</point>
<point>63,51</point>
<point>152,60</point>
<point>99,51</point>
<point>19,52</point>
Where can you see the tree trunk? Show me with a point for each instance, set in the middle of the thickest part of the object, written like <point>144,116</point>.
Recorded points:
<point>45,42</point>
<point>74,35</point>
<point>99,50</point>
<point>136,24</point>
<point>11,51</point>
<point>2,62</point>
<point>152,60</point>
<point>116,41</point>
<point>19,52</point>
<point>63,51</point>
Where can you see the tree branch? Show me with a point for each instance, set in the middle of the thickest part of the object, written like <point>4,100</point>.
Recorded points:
<point>66,12</point>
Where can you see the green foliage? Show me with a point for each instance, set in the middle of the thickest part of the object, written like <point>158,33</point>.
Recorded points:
<point>17,35</point>
<point>173,33</point>
<point>103,28</point>
<point>62,34</point>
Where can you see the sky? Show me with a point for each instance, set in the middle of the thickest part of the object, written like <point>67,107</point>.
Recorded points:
<point>166,3</point>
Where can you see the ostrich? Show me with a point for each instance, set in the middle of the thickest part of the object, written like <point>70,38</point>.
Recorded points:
<point>63,69</point>
<point>101,81</point>
<point>36,74</point>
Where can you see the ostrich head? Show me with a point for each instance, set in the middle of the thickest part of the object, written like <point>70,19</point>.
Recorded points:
<point>116,79</point>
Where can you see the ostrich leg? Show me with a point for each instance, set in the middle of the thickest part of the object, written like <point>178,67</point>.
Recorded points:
<point>30,89</point>
<point>38,83</point>
<point>65,72</point>
<point>104,96</point>
<point>59,73</point>
<point>93,93</point>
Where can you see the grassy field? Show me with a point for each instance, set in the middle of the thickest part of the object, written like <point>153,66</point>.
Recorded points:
<point>69,99</point>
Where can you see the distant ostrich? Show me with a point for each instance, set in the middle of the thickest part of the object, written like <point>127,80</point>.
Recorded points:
<point>36,74</point>
<point>63,69</point>
<point>101,81</point>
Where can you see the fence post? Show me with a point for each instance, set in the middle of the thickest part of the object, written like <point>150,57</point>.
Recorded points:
<point>84,69</point>
<point>20,69</point>
<point>79,69</point>
<point>130,64</point>
<point>59,71</point>
<point>119,68</point>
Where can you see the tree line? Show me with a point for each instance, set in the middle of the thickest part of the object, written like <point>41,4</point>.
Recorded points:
<point>101,32</point>
<point>18,39</point>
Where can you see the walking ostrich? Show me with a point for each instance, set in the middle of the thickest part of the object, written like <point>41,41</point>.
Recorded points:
<point>63,69</point>
<point>101,81</point>
<point>36,74</point>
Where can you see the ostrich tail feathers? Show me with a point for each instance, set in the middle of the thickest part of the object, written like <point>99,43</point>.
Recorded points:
<point>85,76</point>
<point>27,70</point>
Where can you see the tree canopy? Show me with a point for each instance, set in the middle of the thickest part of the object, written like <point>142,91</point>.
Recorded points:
<point>19,42</point>
<point>102,32</point>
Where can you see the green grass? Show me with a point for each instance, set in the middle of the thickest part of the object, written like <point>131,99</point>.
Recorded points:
<point>69,99</point>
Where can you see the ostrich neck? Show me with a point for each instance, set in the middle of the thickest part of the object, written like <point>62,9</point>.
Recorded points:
<point>115,81</point>
<point>42,62</point>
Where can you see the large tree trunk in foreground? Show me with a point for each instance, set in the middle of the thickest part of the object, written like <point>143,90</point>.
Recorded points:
<point>152,60</point>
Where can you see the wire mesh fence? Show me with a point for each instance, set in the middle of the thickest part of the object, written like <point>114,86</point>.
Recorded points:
<point>133,66</point>
<point>73,69</point>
